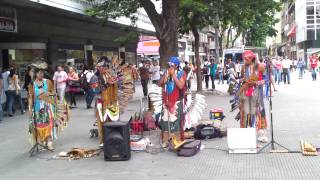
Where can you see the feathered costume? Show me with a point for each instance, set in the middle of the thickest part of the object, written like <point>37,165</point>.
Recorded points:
<point>116,89</point>
<point>176,110</point>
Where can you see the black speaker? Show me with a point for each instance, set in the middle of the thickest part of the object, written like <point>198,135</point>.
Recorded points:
<point>116,141</point>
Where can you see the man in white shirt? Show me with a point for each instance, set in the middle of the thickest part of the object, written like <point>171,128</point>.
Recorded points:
<point>155,72</point>
<point>60,78</point>
<point>286,64</point>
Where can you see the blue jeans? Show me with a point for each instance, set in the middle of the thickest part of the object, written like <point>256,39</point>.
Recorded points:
<point>90,96</point>
<point>220,77</point>
<point>277,76</point>
<point>314,74</point>
<point>12,95</point>
<point>1,110</point>
<point>301,72</point>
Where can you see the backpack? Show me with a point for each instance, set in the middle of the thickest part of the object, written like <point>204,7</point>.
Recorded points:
<point>83,81</point>
<point>206,132</point>
<point>205,69</point>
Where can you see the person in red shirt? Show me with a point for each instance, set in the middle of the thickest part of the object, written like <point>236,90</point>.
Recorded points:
<point>314,64</point>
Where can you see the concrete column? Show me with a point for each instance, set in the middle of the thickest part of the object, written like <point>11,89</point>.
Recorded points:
<point>5,58</point>
<point>52,53</point>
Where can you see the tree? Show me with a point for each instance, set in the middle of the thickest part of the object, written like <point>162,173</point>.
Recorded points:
<point>165,23</point>
<point>194,16</point>
<point>253,20</point>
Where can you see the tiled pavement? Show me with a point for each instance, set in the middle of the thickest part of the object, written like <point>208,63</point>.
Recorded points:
<point>296,116</point>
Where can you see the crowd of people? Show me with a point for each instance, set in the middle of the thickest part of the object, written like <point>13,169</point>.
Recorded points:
<point>68,82</point>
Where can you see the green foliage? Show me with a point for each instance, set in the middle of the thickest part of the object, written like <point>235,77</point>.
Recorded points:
<point>193,13</point>
<point>252,18</point>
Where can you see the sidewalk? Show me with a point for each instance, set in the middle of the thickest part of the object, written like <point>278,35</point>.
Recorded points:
<point>292,123</point>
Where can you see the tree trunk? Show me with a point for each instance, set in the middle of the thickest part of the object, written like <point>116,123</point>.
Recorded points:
<point>217,44</point>
<point>166,26</point>
<point>228,37</point>
<point>197,56</point>
<point>167,49</point>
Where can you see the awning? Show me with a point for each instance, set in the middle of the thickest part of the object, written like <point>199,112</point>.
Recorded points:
<point>292,31</point>
<point>148,47</point>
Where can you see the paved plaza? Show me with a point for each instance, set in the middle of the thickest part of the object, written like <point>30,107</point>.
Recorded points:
<point>296,116</point>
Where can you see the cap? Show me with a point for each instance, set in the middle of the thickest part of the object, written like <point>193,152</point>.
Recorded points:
<point>174,60</point>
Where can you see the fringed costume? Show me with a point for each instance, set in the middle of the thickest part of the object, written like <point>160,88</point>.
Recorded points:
<point>48,116</point>
<point>252,98</point>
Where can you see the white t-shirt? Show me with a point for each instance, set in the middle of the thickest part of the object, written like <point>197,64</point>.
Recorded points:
<point>5,76</point>
<point>286,63</point>
<point>155,70</point>
<point>60,79</point>
<point>88,74</point>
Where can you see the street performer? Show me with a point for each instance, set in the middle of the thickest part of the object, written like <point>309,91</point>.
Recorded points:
<point>174,87</point>
<point>107,107</point>
<point>42,126</point>
<point>252,110</point>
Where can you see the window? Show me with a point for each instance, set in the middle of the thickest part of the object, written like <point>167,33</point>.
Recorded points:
<point>310,34</point>
<point>310,10</point>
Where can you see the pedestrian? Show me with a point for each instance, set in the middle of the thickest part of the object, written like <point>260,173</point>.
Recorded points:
<point>188,71</point>
<point>73,86</point>
<point>286,65</point>
<point>144,77</point>
<point>28,78</point>
<point>213,72</point>
<point>155,72</point>
<point>278,67</point>
<point>313,64</point>
<point>238,68</point>
<point>60,78</point>
<point>88,88</point>
<point>228,66</point>
<point>14,92</point>
<point>1,91</point>
<point>5,74</point>
<point>206,72</point>
<point>300,66</point>
<point>220,72</point>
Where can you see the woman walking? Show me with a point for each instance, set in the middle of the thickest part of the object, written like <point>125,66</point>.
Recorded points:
<point>14,92</point>
<point>73,86</point>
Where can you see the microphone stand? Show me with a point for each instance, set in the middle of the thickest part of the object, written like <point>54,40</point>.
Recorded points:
<point>272,143</point>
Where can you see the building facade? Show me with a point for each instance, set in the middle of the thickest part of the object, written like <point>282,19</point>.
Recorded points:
<point>308,27</point>
<point>55,32</point>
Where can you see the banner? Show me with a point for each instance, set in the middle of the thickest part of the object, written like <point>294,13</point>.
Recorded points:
<point>8,19</point>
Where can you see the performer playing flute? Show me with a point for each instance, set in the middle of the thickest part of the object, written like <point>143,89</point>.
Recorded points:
<point>174,87</point>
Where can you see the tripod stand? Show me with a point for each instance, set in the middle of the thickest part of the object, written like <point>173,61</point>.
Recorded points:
<point>272,143</point>
<point>35,147</point>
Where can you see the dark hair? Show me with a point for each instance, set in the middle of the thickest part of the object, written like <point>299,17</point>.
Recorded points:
<point>12,72</point>
<point>58,66</point>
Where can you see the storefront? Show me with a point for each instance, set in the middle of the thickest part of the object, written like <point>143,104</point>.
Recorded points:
<point>32,32</point>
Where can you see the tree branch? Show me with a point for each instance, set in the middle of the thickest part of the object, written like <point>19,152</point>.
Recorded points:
<point>154,16</point>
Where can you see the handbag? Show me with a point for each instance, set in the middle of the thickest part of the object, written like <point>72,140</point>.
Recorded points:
<point>189,148</point>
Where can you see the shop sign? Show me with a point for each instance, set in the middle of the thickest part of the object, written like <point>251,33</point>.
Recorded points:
<point>8,19</point>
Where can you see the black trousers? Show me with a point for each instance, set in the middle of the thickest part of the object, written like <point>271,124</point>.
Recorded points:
<point>212,81</point>
<point>144,83</point>
<point>72,98</point>
<point>206,79</point>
